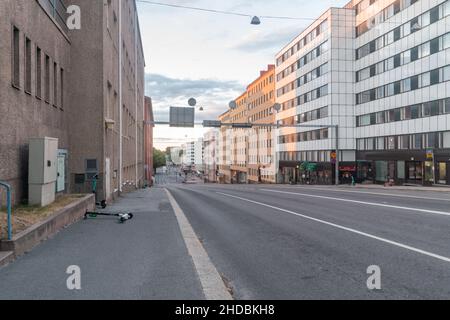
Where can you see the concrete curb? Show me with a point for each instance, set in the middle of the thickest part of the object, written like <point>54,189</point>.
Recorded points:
<point>29,238</point>
<point>6,257</point>
<point>212,283</point>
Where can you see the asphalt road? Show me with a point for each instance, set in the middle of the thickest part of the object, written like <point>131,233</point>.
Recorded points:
<point>282,242</point>
<point>267,242</point>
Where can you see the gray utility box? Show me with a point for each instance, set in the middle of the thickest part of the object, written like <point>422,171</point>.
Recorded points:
<point>42,173</point>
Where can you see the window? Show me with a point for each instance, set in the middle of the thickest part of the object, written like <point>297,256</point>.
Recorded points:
<point>434,15</point>
<point>324,112</point>
<point>47,78</point>
<point>38,73</point>
<point>414,53</point>
<point>432,140</point>
<point>417,141</point>
<point>425,79</point>
<point>434,108</point>
<point>380,143</point>
<point>425,49</point>
<point>434,76</point>
<point>446,41</point>
<point>446,73</point>
<point>447,106</point>
<point>55,84</point>
<point>403,142</point>
<point>415,111</point>
<point>364,120</point>
<point>414,83</point>
<point>391,143</point>
<point>406,85</point>
<point>16,57</point>
<point>434,46</point>
<point>27,65</point>
<point>61,88</point>
<point>380,117</point>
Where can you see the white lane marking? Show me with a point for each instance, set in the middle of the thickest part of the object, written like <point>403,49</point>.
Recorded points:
<point>373,193</point>
<point>443,213</point>
<point>368,235</point>
<point>212,283</point>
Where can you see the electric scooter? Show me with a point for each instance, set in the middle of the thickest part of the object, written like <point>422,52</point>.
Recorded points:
<point>101,204</point>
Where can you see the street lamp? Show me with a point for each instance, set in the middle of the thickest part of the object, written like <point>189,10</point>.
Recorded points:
<point>255,21</point>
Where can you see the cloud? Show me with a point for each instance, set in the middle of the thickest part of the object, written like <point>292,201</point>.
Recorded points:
<point>212,94</point>
<point>258,41</point>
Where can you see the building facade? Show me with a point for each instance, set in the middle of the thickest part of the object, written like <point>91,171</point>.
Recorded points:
<point>402,107</point>
<point>225,148</point>
<point>314,84</point>
<point>148,141</point>
<point>261,145</point>
<point>379,70</point>
<point>67,84</point>
<point>193,154</point>
<point>239,141</point>
<point>211,155</point>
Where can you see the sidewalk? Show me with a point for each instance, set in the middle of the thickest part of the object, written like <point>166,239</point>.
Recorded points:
<point>145,258</point>
<point>407,188</point>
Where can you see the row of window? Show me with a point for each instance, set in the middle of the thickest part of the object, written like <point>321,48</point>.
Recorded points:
<point>306,116</point>
<point>383,15</point>
<point>313,54</point>
<point>304,136</point>
<point>310,156</point>
<point>419,141</point>
<point>314,74</point>
<point>303,42</point>
<point>405,29</point>
<point>259,101</point>
<point>409,84</point>
<point>423,110</point>
<point>261,85</point>
<point>428,48</point>
<point>307,97</point>
<point>44,70</point>
<point>261,115</point>
<point>363,5</point>
<point>56,9</point>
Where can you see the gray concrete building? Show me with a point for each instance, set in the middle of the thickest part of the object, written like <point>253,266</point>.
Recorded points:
<point>83,86</point>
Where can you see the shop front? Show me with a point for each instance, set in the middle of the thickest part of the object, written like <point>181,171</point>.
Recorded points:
<point>318,173</point>
<point>413,167</point>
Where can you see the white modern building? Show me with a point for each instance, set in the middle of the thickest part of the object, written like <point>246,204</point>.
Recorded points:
<point>193,154</point>
<point>380,70</point>
<point>402,73</point>
<point>176,155</point>
<point>314,85</point>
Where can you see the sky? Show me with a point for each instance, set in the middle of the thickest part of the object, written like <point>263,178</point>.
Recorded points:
<point>213,57</point>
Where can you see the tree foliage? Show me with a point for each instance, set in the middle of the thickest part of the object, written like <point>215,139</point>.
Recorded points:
<point>159,158</point>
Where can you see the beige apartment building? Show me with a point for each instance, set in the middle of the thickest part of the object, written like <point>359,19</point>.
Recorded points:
<point>224,152</point>
<point>239,140</point>
<point>69,84</point>
<point>261,147</point>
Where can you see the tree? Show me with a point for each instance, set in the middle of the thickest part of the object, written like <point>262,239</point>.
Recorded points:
<point>159,158</point>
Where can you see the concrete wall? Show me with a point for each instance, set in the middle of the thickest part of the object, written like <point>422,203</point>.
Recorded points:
<point>24,115</point>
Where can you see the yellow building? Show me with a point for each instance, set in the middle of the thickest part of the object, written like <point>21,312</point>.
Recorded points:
<point>261,146</point>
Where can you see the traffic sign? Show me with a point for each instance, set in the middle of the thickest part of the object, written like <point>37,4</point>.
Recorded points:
<point>182,117</point>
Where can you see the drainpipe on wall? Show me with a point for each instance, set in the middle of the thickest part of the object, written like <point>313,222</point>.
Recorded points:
<point>120,100</point>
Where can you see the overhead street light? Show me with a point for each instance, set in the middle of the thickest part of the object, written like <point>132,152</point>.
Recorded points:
<point>255,21</point>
